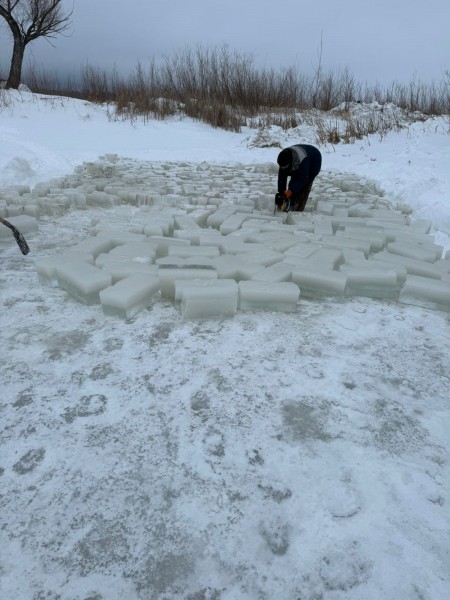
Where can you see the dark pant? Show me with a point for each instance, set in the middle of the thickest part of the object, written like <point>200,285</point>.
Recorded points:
<point>298,202</point>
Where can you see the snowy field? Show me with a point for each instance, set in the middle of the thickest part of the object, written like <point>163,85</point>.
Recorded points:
<point>299,456</point>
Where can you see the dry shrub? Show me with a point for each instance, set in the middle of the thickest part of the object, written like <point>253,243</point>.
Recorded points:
<point>225,89</point>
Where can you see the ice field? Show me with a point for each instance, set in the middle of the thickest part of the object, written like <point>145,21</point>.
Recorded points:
<point>203,402</point>
<point>165,224</point>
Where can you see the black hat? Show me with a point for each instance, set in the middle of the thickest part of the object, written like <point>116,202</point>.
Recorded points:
<point>285,158</point>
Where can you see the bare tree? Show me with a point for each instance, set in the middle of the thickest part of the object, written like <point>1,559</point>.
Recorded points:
<point>29,20</point>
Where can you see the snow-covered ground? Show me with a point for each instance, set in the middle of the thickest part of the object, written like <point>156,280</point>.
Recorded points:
<point>292,456</point>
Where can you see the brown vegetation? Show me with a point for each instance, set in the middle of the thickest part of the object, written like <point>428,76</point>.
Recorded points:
<point>226,90</point>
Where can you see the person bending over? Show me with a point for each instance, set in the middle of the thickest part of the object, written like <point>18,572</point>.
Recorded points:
<point>302,163</point>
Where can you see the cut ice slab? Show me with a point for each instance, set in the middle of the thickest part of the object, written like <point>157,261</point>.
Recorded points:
<point>82,280</point>
<point>371,282</point>
<point>192,251</point>
<point>129,296</point>
<point>143,250</point>
<point>254,295</point>
<point>206,299</point>
<point>429,293</point>
<point>369,265</point>
<point>275,273</point>
<point>414,251</point>
<point>169,274</point>
<point>412,265</point>
<point>164,243</point>
<point>118,237</point>
<point>122,270</point>
<point>94,245</point>
<point>46,267</point>
<point>317,281</point>
<point>264,257</point>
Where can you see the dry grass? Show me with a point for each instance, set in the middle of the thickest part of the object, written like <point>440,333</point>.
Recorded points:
<point>226,90</point>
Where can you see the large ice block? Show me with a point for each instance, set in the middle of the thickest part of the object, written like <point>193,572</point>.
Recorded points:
<point>421,226</point>
<point>46,267</point>
<point>265,257</point>
<point>206,299</point>
<point>118,236</point>
<point>200,216</point>
<point>370,281</point>
<point>121,270</point>
<point>190,251</point>
<point>233,222</point>
<point>422,291</point>
<point>301,221</point>
<point>188,261</point>
<point>232,245</point>
<point>275,273</point>
<point>153,229</point>
<point>164,224</point>
<point>412,251</point>
<point>185,284</point>
<point>144,251</point>
<point>281,244</point>
<point>185,222</point>
<point>399,269</point>
<point>341,242</point>
<point>94,245</point>
<point>129,296</point>
<point>164,243</point>
<point>99,199</point>
<point>247,270</point>
<point>323,227</point>
<point>301,251</point>
<point>227,266</point>
<point>168,274</point>
<point>261,295</point>
<point>376,239</point>
<point>220,215</point>
<point>412,265</point>
<point>361,210</point>
<point>330,258</point>
<point>351,255</point>
<point>410,236</point>
<point>315,281</point>
<point>32,210</point>
<point>82,280</point>
<point>199,237</point>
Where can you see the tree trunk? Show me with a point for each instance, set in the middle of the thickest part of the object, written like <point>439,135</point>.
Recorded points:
<point>15,71</point>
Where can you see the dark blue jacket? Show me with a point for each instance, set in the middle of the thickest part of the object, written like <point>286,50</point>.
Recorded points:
<point>306,165</point>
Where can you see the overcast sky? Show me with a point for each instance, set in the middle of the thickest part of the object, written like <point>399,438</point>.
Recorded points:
<point>378,41</point>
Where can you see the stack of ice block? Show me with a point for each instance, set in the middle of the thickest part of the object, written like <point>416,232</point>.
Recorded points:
<point>208,234</point>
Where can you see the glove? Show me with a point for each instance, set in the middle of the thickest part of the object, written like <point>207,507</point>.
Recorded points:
<point>287,194</point>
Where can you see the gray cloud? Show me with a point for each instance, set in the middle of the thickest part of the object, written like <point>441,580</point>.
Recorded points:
<point>384,41</point>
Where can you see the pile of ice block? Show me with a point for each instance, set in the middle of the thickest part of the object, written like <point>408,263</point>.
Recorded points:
<point>206,237</point>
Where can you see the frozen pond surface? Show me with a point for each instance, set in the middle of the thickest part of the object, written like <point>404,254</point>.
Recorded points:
<point>273,455</point>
